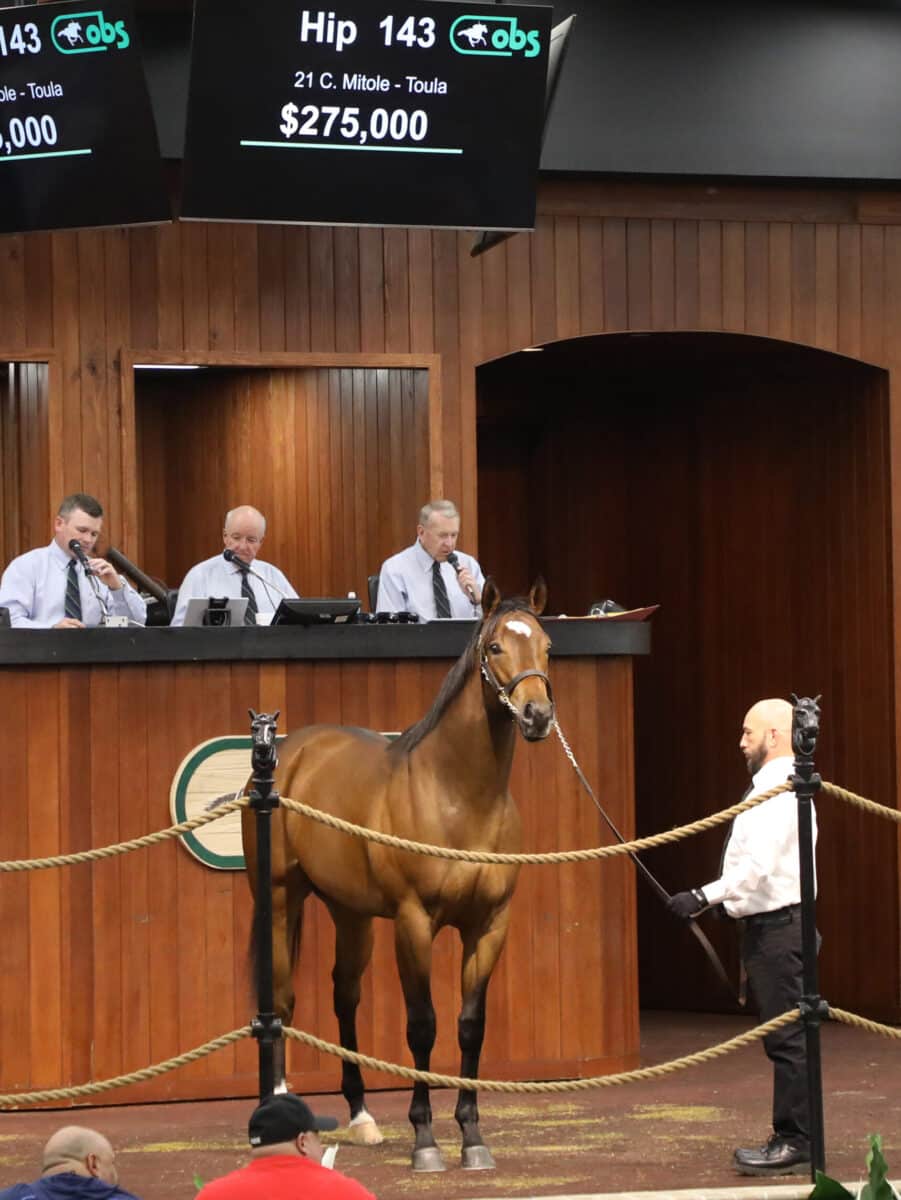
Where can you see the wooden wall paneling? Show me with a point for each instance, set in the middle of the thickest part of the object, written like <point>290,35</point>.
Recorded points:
<point>733,249</point>
<point>137,816</point>
<point>272,286</point>
<point>79,965</point>
<point>848,292</point>
<point>495,334</point>
<point>422,332</point>
<point>143,275</point>
<point>196,323</point>
<point>164,753</point>
<point>825,298</point>
<point>15,891</point>
<point>638,273</point>
<point>397,290</point>
<point>780,291</point>
<point>757,282</point>
<point>247,288</point>
<point>567,286</point>
<point>9,456</point>
<point>39,291</point>
<point>44,931</point>
<point>190,935</point>
<point>663,275</point>
<point>686,297</point>
<point>220,286</point>
<point>95,412</point>
<point>473,320</point>
<point>517,303</point>
<point>873,295</point>
<point>804,283</point>
<point>171,289</point>
<point>13,289</point>
<point>112,911</point>
<point>223,1000</point>
<point>541,244</point>
<point>372,290</point>
<point>323,315</point>
<point>616,291</point>
<point>591,274</point>
<point>710,275</point>
<point>347,289</point>
<point>447,344</point>
<point>117,333</point>
<point>297,297</point>
<point>66,307</point>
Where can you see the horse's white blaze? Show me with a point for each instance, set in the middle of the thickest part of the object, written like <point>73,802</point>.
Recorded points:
<point>520,627</point>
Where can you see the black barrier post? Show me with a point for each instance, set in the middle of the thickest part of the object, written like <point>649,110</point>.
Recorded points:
<point>806,782</point>
<point>267,1028</point>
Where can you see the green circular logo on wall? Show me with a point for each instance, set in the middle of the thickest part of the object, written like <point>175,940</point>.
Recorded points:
<point>217,769</point>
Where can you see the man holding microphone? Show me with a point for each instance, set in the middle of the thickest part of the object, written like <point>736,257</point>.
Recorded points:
<point>64,585</point>
<point>431,578</point>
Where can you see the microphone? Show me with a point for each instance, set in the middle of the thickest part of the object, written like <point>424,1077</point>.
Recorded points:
<point>78,550</point>
<point>455,563</point>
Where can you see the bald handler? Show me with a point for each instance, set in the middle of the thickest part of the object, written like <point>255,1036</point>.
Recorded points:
<point>76,1164</point>
<point>432,578</point>
<point>760,887</point>
<point>237,571</point>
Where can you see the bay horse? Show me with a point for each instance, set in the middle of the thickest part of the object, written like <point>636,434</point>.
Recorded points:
<point>443,781</point>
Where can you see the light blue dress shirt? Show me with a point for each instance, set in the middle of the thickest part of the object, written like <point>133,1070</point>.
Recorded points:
<point>405,585</point>
<point>216,577</point>
<point>33,588</point>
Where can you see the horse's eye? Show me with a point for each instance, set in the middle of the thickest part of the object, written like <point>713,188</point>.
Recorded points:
<point>495,648</point>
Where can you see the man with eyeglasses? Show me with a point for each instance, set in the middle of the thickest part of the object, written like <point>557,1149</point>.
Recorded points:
<point>237,571</point>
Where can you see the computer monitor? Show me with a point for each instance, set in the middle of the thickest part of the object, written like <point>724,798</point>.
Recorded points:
<point>316,610</point>
<point>210,610</point>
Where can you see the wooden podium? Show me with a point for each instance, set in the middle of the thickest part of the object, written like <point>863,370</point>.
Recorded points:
<point>112,966</point>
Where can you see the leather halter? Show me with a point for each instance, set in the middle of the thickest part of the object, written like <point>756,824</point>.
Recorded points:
<point>503,691</point>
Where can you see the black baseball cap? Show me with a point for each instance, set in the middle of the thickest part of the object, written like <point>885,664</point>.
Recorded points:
<point>281,1118</point>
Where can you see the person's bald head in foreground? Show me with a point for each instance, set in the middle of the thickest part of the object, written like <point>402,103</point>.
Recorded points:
<point>766,733</point>
<point>79,1151</point>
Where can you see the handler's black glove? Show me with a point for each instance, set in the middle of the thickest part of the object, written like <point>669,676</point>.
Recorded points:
<point>686,904</point>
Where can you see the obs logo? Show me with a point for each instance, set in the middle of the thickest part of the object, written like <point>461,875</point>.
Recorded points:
<point>85,32</point>
<point>499,37</point>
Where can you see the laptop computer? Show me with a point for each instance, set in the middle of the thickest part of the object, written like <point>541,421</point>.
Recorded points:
<point>223,611</point>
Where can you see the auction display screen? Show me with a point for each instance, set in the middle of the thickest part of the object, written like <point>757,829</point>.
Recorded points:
<point>366,113</point>
<point>78,145</point>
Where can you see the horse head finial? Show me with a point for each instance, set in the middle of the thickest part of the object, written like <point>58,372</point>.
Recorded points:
<point>262,730</point>
<point>805,725</point>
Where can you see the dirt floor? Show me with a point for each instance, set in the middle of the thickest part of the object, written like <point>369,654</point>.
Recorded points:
<point>663,1135</point>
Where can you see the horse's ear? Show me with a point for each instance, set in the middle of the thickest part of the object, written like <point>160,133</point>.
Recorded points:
<point>491,597</point>
<point>538,596</point>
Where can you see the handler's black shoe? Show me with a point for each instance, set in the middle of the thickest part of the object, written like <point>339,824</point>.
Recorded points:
<point>777,1157</point>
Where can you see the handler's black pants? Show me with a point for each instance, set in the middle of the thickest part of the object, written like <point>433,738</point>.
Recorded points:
<point>771,949</point>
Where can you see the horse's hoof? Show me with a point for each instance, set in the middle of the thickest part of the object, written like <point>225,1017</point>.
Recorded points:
<point>428,1158</point>
<point>477,1158</point>
<point>363,1131</point>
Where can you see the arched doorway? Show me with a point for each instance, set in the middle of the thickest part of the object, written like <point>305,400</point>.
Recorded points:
<point>743,484</point>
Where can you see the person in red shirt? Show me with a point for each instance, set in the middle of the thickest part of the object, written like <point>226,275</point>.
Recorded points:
<point>285,1159</point>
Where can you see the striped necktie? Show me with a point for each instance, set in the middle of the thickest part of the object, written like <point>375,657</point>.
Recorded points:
<point>442,604</point>
<point>73,597</point>
<point>250,613</point>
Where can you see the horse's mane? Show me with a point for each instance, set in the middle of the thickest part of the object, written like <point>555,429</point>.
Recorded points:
<point>457,676</point>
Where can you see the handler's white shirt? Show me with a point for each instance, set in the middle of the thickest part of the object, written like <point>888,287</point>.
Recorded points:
<point>216,577</point>
<point>760,866</point>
